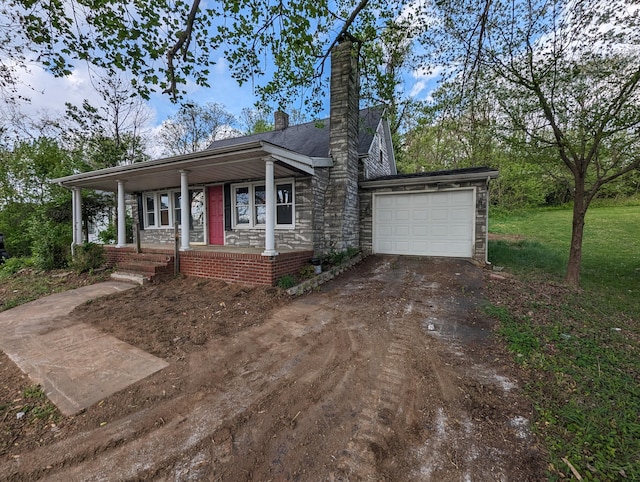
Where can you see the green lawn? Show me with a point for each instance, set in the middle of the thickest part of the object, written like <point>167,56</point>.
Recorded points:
<point>580,348</point>
<point>611,246</point>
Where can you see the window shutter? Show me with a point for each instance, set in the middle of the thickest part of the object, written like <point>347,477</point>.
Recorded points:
<point>140,211</point>
<point>227,207</point>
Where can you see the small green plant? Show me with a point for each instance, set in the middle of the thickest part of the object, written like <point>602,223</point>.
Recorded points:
<point>34,391</point>
<point>39,407</point>
<point>88,257</point>
<point>519,335</point>
<point>51,244</point>
<point>307,271</point>
<point>287,281</point>
<point>335,258</point>
<point>13,265</point>
<point>108,235</point>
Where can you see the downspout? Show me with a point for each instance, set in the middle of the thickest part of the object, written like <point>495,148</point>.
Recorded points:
<point>73,223</point>
<point>486,234</point>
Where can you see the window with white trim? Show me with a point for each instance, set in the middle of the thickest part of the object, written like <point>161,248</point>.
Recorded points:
<point>165,212</point>
<point>163,209</point>
<point>250,208</point>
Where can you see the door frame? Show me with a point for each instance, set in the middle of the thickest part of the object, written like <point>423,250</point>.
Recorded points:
<point>208,218</point>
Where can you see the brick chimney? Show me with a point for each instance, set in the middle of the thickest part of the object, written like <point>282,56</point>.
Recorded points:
<point>341,217</point>
<point>281,120</point>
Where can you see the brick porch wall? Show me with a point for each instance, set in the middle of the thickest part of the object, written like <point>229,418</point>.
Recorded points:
<point>245,268</point>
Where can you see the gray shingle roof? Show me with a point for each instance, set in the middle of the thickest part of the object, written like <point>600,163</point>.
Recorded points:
<point>480,170</point>
<point>312,138</point>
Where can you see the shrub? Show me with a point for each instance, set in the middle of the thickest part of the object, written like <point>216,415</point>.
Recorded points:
<point>335,258</point>
<point>88,257</point>
<point>108,235</point>
<point>51,244</point>
<point>287,281</point>
<point>12,265</point>
<point>307,271</point>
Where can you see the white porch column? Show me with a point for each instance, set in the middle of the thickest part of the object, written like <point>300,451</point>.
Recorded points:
<point>76,202</point>
<point>185,210</point>
<point>270,228</point>
<point>122,227</point>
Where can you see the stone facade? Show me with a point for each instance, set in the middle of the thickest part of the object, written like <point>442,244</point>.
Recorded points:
<point>481,196</point>
<point>341,200</point>
<point>157,236</point>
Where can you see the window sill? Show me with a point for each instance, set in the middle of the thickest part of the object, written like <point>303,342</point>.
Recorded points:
<point>262,227</point>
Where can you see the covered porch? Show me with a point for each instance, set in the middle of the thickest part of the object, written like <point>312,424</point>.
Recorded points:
<point>208,172</point>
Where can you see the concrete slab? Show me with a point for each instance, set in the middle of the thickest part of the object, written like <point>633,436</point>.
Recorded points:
<point>76,364</point>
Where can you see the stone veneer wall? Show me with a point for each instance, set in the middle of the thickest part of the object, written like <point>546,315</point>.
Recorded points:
<point>320,183</point>
<point>482,199</point>
<point>157,236</point>
<point>341,201</point>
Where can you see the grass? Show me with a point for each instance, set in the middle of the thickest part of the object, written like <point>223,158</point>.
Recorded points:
<point>580,348</point>
<point>28,284</point>
<point>611,247</point>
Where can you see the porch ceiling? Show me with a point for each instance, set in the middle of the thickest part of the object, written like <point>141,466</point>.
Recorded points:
<point>213,166</point>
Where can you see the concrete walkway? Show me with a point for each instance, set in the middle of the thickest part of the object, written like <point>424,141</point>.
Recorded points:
<point>76,364</point>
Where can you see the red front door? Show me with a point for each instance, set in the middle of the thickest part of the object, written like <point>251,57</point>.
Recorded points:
<point>216,215</point>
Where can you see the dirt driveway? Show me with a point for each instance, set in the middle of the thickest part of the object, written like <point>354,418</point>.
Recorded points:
<point>387,373</point>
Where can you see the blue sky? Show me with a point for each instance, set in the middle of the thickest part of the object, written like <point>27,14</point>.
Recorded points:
<point>49,94</point>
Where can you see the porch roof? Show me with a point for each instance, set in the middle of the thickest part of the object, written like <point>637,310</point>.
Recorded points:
<point>226,163</point>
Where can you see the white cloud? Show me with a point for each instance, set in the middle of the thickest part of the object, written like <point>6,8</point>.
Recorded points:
<point>425,78</point>
<point>48,94</point>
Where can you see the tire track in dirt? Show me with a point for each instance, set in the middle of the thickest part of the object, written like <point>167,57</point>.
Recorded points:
<point>133,453</point>
<point>348,383</point>
<point>372,444</point>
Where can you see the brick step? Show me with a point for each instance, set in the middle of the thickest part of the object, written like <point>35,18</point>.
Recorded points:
<point>151,257</point>
<point>143,267</point>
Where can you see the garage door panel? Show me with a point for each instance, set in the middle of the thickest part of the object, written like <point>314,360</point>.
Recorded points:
<point>459,214</point>
<point>386,215</point>
<point>420,215</point>
<point>428,224</point>
<point>439,231</point>
<point>458,232</point>
<point>421,230</point>
<point>385,232</point>
<point>440,199</point>
<point>439,214</point>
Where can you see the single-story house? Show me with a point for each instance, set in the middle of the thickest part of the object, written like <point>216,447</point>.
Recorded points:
<point>261,206</point>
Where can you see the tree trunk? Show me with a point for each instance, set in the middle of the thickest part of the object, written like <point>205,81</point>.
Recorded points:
<point>577,231</point>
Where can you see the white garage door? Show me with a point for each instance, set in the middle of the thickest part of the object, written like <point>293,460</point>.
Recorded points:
<point>425,224</point>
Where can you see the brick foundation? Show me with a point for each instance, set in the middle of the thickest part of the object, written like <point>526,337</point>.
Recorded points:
<point>245,268</point>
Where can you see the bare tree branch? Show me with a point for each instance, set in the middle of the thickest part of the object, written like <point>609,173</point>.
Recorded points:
<point>183,41</point>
